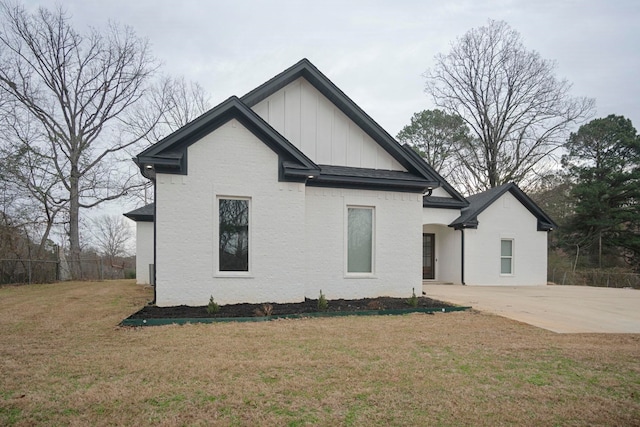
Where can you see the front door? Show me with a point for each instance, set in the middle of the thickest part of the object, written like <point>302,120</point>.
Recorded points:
<point>428,256</point>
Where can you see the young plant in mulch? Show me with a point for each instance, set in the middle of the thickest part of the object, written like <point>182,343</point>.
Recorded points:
<point>413,301</point>
<point>375,305</point>
<point>323,304</point>
<point>264,311</point>
<point>212,307</point>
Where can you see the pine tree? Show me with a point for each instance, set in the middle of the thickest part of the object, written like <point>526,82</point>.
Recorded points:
<point>604,161</point>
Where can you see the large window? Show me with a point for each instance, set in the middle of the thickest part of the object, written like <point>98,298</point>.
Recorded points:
<point>506,256</point>
<point>360,240</point>
<point>234,234</point>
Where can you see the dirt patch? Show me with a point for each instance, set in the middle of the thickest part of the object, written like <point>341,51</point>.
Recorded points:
<point>277,309</point>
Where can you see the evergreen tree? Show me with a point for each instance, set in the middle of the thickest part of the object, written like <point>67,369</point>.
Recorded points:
<point>436,136</point>
<point>603,160</point>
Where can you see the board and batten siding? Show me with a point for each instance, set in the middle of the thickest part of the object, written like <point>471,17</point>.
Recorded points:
<point>321,130</point>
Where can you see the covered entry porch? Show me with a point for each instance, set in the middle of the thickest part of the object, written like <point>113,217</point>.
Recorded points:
<point>441,254</point>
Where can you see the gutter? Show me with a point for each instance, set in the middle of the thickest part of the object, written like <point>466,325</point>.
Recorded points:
<point>155,241</point>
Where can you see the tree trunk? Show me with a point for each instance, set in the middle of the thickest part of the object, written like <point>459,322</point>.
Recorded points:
<point>74,228</point>
<point>600,250</point>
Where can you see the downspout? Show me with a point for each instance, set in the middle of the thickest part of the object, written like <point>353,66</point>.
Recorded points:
<point>462,256</point>
<point>155,240</point>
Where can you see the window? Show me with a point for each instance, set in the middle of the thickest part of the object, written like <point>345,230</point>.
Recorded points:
<point>506,256</point>
<point>359,240</point>
<point>234,234</point>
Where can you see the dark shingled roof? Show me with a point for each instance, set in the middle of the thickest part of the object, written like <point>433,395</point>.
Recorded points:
<point>352,177</point>
<point>479,202</point>
<point>145,213</point>
<point>443,202</point>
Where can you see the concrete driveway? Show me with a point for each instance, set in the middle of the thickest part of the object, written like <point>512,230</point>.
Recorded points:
<point>563,309</point>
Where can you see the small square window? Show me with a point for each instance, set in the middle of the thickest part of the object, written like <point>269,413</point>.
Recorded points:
<point>506,256</point>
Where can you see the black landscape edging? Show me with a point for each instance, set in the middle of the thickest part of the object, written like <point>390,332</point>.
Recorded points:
<point>182,321</point>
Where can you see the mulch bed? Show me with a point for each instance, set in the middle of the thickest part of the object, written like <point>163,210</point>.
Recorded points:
<point>276,309</point>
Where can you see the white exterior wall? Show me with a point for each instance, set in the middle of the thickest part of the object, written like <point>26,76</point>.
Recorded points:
<point>439,216</point>
<point>506,218</point>
<point>320,130</point>
<point>230,161</point>
<point>397,237</point>
<point>440,192</point>
<point>144,251</point>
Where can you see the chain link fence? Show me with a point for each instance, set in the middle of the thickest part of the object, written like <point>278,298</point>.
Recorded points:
<point>594,277</point>
<point>20,271</point>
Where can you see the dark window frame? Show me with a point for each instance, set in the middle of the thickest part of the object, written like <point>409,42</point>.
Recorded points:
<point>234,240</point>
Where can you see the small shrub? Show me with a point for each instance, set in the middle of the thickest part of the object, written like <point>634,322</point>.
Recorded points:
<point>375,305</point>
<point>130,273</point>
<point>323,304</point>
<point>212,307</point>
<point>413,301</point>
<point>265,310</point>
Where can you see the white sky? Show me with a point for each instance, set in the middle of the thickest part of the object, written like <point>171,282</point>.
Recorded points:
<point>376,51</point>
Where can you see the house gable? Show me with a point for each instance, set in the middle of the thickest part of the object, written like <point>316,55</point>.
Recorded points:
<point>317,127</point>
<point>481,201</point>
<point>346,106</point>
<point>170,154</point>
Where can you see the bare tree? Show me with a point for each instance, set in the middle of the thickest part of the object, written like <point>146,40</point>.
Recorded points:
<point>75,89</point>
<point>179,102</point>
<point>517,110</point>
<point>31,177</point>
<point>112,235</point>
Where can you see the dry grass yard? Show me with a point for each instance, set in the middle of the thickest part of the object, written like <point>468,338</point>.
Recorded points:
<point>64,361</point>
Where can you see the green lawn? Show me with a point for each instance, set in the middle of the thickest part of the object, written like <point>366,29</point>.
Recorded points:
<point>64,361</point>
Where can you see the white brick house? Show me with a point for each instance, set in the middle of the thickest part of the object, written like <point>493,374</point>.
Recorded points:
<point>293,189</point>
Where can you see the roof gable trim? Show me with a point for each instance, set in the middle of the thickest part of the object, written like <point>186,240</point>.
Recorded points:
<point>469,216</point>
<point>169,155</point>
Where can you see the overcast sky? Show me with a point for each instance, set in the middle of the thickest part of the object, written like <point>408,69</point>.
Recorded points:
<point>377,51</point>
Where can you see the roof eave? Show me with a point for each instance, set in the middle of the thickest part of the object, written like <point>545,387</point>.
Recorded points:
<point>385,184</point>
<point>453,204</point>
<point>139,218</point>
<point>297,172</point>
<point>464,225</point>
<point>545,226</point>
